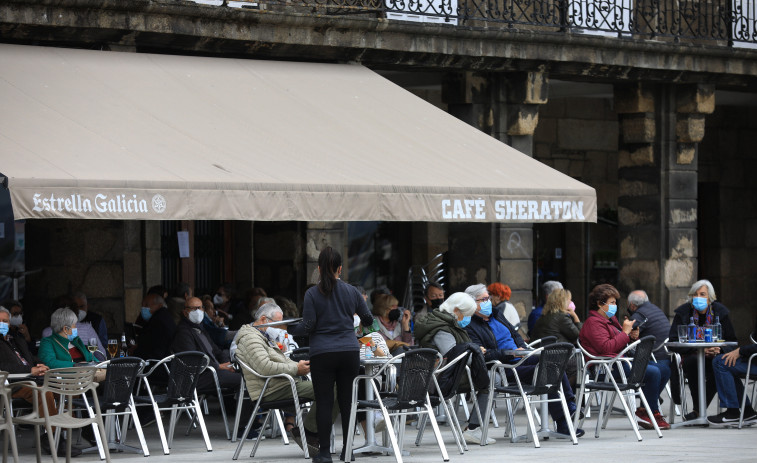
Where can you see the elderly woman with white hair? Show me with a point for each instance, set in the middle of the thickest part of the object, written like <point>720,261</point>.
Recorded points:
<point>444,329</point>
<point>702,308</point>
<point>63,348</point>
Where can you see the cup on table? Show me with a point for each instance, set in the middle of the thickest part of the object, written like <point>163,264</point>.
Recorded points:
<point>683,333</point>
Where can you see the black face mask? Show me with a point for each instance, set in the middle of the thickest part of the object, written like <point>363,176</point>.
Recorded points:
<point>393,315</point>
<point>435,303</point>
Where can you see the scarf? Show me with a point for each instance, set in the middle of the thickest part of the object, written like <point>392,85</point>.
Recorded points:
<point>391,330</point>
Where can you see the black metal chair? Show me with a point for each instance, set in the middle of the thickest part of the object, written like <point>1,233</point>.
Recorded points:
<point>553,358</point>
<point>117,400</point>
<point>628,387</point>
<point>269,408</point>
<point>414,380</point>
<point>444,394</point>
<point>185,369</point>
<point>748,376</point>
<point>6,424</point>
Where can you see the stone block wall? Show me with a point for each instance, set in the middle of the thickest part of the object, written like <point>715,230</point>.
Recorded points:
<point>727,162</point>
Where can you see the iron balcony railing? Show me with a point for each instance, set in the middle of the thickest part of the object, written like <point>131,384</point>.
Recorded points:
<point>732,22</point>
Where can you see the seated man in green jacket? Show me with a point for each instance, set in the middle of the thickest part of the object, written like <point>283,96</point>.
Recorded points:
<point>263,354</point>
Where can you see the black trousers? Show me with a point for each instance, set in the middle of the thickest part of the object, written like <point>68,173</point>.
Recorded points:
<point>690,371</point>
<point>329,369</point>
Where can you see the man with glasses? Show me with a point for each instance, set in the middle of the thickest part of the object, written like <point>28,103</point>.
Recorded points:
<point>490,329</point>
<point>191,336</point>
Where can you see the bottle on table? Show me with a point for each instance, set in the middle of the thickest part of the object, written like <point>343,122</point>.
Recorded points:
<point>368,351</point>
<point>124,347</point>
<point>692,330</point>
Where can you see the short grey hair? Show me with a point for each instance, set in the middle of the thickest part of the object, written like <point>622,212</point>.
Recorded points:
<point>710,290</point>
<point>268,310</point>
<point>461,301</point>
<point>62,317</point>
<point>476,291</point>
<point>80,295</point>
<point>265,300</point>
<point>3,309</point>
<point>550,286</point>
<point>638,297</point>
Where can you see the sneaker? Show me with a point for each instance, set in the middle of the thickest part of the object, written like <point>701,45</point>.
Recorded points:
<point>661,423</point>
<point>314,446</point>
<point>643,419</point>
<point>253,434</point>
<point>473,436</point>
<point>691,416</point>
<point>562,428</point>
<point>378,422</point>
<point>730,417</point>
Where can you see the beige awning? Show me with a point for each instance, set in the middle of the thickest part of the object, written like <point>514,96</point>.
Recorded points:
<point>107,135</point>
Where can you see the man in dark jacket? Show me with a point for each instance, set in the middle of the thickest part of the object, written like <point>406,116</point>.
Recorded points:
<point>154,328</point>
<point>190,336</point>
<point>728,368</point>
<point>490,329</point>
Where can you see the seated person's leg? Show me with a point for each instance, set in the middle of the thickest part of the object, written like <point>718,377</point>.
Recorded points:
<point>689,364</point>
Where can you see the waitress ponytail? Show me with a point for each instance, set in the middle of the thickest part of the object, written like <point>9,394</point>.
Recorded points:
<point>329,262</point>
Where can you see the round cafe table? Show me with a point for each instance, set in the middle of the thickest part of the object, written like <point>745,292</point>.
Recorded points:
<point>700,347</point>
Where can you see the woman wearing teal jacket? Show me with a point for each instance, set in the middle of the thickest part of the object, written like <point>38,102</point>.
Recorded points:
<point>63,348</point>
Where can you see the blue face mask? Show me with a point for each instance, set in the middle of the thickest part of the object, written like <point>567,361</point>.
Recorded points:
<point>74,334</point>
<point>464,322</point>
<point>700,303</point>
<point>611,310</point>
<point>4,328</point>
<point>145,313</point>
<point>486,308</point>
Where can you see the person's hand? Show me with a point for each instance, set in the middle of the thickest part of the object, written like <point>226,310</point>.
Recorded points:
<point>23,331</point>
<point>730,358</point>
<point>303,367</point>
<point>226,366</point>
<point>483,349</point>
<point>628,327</point>
<point>710,352</point>
<point>634,334</point>
<point>39,370</point>
<point>406,320</point>
<point>574,316</point>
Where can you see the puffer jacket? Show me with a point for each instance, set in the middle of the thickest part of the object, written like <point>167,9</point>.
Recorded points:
<point>254,349</point>
<point>426,327</point>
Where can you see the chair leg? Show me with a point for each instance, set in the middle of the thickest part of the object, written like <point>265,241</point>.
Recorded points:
<point>435,427</point>
<point>241,441</point>
<point>457,431</point>
<point>567,416</point>
<point>631,418</point>
<point>260,434</point>
<point>201,420</point>
<point>649,412</point>
<point>172,424</point>
<point>138,427</point>
<point>161,429</point>
<point>238,415</point>
<point>392,435</point>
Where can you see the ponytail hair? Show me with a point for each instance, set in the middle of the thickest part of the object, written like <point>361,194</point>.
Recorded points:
<point>328,263</point>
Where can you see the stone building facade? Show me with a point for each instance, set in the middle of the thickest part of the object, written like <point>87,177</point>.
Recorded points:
<point>669,161</point>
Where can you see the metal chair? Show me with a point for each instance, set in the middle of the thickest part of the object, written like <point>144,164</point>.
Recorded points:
<point>181,393</point>
<point>553,358</point>
<point>414,380</point>
<point>748,376</point>
<point>68,384</point>
<point>118,400</point>
<point>6,424</point>
<point>629,386</point>
<point>445,394</point>
<point>268,407</point>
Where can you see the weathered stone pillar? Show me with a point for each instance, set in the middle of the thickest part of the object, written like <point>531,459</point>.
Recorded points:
<point>320,235</point>
<point>657,198</point>
<point>516,99</point>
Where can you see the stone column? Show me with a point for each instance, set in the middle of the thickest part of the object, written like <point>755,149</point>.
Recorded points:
<point>657,197</point>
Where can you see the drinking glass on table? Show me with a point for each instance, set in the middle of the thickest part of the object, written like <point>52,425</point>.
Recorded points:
<point>92,346</point>
<point>683,333</point>
<point>112,347</point>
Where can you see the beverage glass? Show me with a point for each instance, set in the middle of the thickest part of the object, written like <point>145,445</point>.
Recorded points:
<point>112,347</point>
<point>92,346</point>
<point>683,333</point>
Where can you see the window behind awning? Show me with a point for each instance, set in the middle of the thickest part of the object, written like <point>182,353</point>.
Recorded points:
<point>107,135</point>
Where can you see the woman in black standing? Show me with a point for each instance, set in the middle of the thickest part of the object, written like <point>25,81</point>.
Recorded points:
<point>327,317</point>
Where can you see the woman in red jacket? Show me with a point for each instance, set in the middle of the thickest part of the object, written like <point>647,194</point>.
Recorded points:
<point>604,336</point>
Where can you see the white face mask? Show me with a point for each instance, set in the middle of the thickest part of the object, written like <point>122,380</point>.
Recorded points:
<point>217,299</point>
<point>355,321</point>
<point>81,315</point>
<point>196,316</point>
<point>275,334</point>
<point>16,320</point>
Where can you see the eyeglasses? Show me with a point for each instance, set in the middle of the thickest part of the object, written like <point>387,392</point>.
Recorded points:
<point>197,307</point>
<point>483,299</point>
